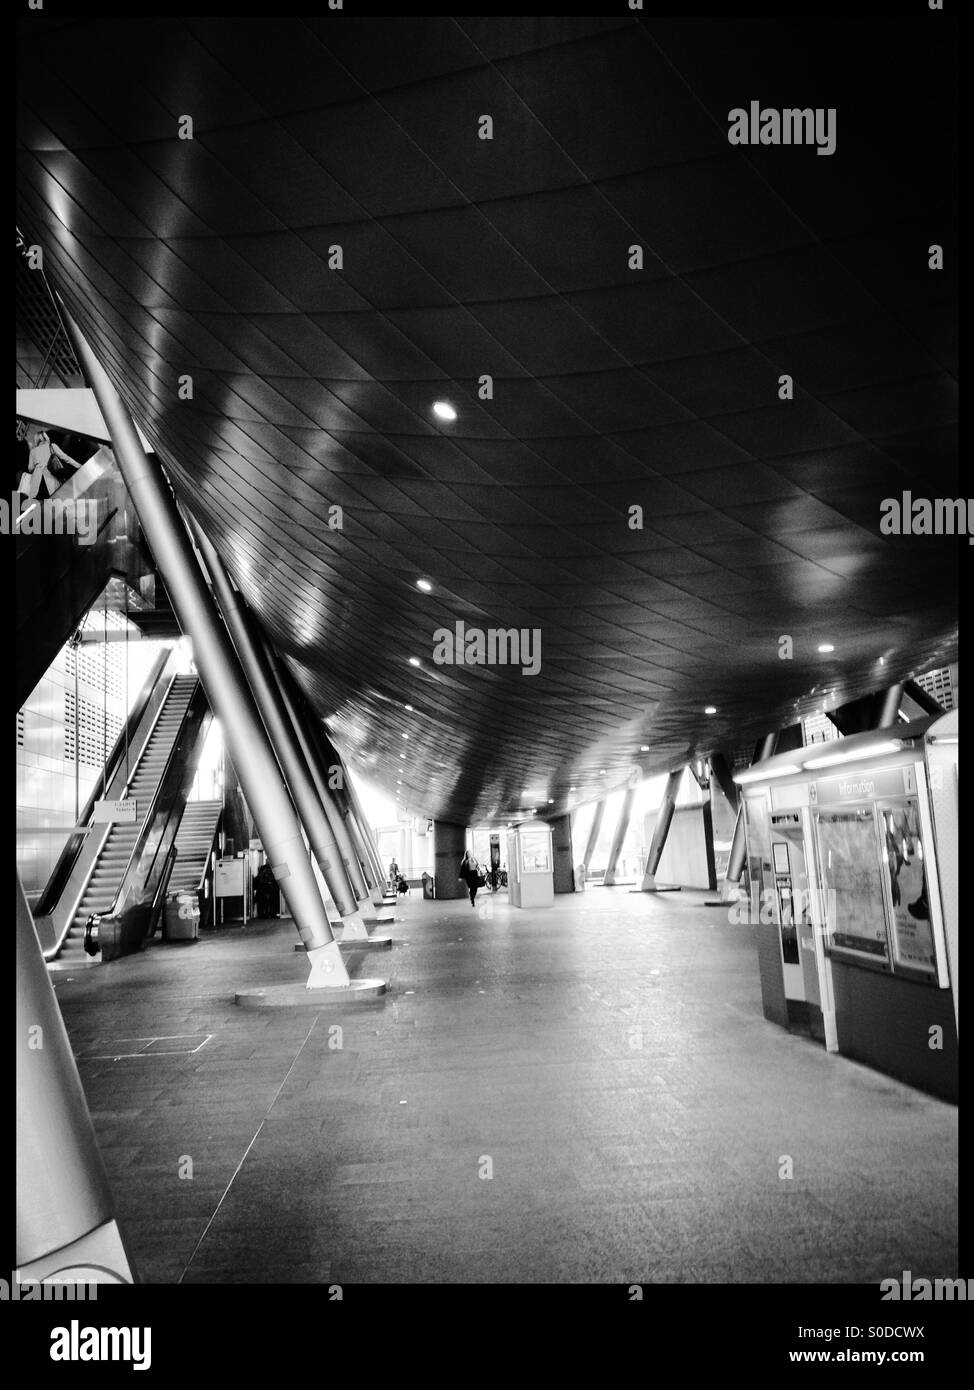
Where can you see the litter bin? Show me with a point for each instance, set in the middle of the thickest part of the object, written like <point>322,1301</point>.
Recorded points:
<point>428,886</point>
<point>579,878</point>
<point>181,918</point>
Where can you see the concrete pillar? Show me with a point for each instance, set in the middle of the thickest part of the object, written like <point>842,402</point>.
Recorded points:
<point>593,835</point>
<point>661,831</point>
<point>65,1216</point>
<point>449,843</point>
<point>561,848</point>
<point>618,839</point>
<point>224,681</point>
<point>280,731</point>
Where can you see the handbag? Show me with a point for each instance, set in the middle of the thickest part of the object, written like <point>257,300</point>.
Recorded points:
<point>481,881</point>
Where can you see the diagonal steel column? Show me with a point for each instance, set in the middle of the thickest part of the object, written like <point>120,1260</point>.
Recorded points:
<point>593,835</point>
<point>65,1217</point>
<point>249,647</point>
<point>224,682</point>
<point>662,829</point>
<point>327,758</point>
<point>618,839</point>
<point>325,793</point>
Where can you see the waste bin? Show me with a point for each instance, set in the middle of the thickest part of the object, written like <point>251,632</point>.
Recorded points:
<point>579,878</point>
<point>181,919</point>
<point>428,886</point>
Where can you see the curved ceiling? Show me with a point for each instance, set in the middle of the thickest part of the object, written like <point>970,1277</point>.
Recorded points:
<point>613,387</point>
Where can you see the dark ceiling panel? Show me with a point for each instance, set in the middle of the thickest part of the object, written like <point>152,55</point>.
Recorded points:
<point>612,388</point>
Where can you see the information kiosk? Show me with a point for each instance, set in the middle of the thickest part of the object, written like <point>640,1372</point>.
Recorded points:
<point>530,873</point>
<point>851,898</point>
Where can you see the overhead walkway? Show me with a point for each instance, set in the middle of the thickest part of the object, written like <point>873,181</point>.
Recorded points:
<point>119,870</point>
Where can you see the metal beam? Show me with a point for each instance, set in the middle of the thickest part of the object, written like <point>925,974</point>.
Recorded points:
<point>65,1214</point>
<point>661,829</point>
<point>618,838</point>
<point>280,730</point>
<point>593,835</point>
<point>224,681</point>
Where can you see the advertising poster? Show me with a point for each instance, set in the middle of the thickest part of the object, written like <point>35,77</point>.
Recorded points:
<point>535,858</point>
<point>854,891</point>
<point>913,945</point>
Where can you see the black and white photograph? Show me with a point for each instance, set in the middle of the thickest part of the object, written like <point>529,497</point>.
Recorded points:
<point>487,547</point>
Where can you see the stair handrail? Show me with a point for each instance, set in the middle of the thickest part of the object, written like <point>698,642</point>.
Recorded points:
<point>160,893</point>
<point>52,952</point>
<point>123,886</point>
<point>59,875</point>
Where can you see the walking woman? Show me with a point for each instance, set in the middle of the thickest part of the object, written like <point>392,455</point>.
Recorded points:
<point>470,873</point>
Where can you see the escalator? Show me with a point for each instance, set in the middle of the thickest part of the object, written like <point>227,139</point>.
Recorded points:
<point>197,831</point>
<point>119,871</point>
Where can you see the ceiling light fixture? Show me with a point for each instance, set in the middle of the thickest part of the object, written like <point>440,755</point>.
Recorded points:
<point>889,745</point>
<point>443,410</point>
<point>710,709</point>
<point>414,661</point>
<point>757,774</point>
<point>826,647</point>
<point>425,585</point>
<point>644,748</point>
<point>409,707</point>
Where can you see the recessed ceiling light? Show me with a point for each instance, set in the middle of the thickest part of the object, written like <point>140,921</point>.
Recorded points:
<point>826,647</point>
<point>551,801</point>
<point>602,772</point>
<point>414,661</point>
<point>711,709</point>
<point>443,410</point>
<point>405,735</point>
<point>409,707</point>
<point>425,585</point>
<point>644,748</point>
<point>402,755</point>
<point>571,789</point>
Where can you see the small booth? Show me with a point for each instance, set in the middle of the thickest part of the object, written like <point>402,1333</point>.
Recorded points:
<point>852,867</point>
<point>530,872</point>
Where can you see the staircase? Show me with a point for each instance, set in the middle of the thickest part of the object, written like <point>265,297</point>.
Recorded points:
<point>109,870</point>
<point>193,843</point>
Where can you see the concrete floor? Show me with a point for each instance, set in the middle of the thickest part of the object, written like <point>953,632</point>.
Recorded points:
<point>608,1056</point>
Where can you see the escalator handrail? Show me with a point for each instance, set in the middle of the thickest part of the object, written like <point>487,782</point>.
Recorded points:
<point>123,884</point>
<point>54,951</point>
<point>61,872</point>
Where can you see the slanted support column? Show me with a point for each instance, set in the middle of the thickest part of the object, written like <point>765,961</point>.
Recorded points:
<point>625,815</point>
<point>224,681</point>
<point>65,1217</point>
<point>449,843</point>
<point>324,790</point>
<point>889,707</point>
<point>326,757</point>
<point>663,819</point>
<point>730,889</point>
<point>593,835</point>
<point>279,730</point>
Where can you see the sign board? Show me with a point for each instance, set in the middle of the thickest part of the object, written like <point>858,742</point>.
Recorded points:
<point>124,811</point>
<point>228,878</point>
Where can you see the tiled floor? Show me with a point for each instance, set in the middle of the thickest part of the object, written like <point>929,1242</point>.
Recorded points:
<point>606,1060</point>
